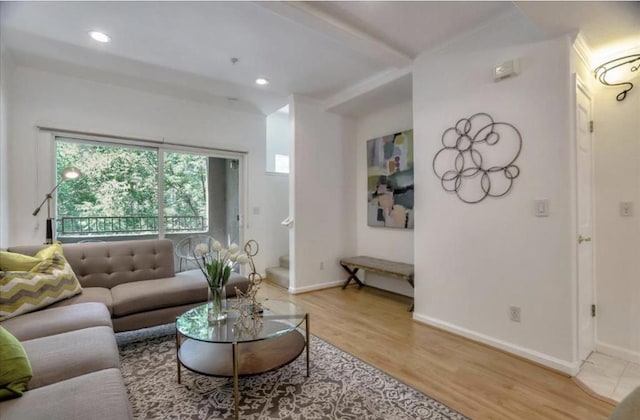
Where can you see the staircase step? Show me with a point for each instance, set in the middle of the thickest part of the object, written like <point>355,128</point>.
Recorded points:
<point>278,275</point>
<point>284,261</point>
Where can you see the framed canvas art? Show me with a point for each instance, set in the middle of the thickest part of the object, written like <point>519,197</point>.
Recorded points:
<point>390,181</point>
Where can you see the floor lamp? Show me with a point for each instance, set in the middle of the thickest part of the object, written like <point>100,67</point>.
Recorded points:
<point>67,173</point>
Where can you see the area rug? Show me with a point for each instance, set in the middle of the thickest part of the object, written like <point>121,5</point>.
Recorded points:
<point>340,387</point>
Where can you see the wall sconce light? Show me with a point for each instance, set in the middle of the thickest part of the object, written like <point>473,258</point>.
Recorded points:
<point>67,173</point>
<point>601,73</point>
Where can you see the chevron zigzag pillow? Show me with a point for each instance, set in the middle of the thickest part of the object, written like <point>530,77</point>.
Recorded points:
<point>50,281</point>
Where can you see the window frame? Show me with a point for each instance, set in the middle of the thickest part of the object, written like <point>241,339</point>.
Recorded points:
<point>160,147</point>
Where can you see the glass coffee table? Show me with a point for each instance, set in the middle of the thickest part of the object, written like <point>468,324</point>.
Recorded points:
<point>221,349</point>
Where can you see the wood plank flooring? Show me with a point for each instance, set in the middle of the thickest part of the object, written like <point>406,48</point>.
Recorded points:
<point>477,380</point>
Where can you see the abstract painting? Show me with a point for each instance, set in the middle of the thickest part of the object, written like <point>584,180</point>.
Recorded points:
<point>390,181</point>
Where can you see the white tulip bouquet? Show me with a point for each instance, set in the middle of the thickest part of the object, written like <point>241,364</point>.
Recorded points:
<point>216,264</point>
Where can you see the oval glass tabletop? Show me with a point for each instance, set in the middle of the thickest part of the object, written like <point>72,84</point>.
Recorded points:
<point>278,317</point>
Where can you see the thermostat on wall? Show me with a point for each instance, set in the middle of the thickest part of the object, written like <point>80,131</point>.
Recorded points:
<point>507,69</point>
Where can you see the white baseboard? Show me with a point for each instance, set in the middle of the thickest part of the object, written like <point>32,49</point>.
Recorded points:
<point>615,351</point>
<point>313,287</point>
<point>570,368</point>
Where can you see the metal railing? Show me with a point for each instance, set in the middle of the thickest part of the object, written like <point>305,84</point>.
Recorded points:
<point>117,225</point>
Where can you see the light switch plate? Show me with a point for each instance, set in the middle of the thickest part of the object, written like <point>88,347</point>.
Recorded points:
<point>626,208</point>
<point>541,208</point>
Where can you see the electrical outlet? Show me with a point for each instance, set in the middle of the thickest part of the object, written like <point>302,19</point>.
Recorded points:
<point>321,265</point>
<point>514,313</point>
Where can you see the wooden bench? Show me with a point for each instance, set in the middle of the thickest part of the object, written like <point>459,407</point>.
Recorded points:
<point>376,265</point>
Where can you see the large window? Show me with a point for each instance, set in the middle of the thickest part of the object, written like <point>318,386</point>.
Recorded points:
<point>185,192</point>
<point>118,195</point>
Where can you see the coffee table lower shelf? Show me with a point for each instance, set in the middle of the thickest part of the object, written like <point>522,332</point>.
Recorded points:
<point>216,359</point>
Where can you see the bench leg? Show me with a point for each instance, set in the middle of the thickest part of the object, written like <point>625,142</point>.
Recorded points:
<point>352,276</point>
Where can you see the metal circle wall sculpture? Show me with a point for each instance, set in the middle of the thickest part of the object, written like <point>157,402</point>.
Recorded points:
<point>478,157</point>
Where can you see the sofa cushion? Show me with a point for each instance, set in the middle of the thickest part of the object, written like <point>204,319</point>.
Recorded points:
<point>15,369</point>
<point>235,280</point>
<point>64,356</point>
<point>47,282</point>
<point>183,289</point>
<point>89,294</point>
<point>98,395</point>
<point>148,295</point>
<point>52,321</point>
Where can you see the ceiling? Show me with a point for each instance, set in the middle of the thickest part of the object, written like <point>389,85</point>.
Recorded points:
<point>352,56</point>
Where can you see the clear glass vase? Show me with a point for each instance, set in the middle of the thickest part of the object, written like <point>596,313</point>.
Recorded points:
<point>217,304</point>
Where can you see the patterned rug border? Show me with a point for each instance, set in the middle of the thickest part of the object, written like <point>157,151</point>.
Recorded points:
<point>388,374</point>
<point>147,334</point>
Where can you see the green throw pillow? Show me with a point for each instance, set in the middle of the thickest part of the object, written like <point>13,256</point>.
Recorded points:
<point>49,252</point>
<point>11,261</point>
<point>15,369</point>
<point>50,281</point>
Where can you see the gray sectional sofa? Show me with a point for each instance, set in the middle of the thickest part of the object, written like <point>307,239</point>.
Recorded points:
<point>75,364</point>
<point>71,344</point>
<point>135,280</point>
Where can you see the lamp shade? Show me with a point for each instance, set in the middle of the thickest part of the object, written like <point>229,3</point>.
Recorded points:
<point>71,173</point>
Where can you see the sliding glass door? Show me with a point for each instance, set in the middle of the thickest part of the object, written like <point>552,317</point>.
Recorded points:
<point>133,192</point>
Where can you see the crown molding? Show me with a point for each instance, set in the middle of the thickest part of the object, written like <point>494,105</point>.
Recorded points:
<point>582,49</point>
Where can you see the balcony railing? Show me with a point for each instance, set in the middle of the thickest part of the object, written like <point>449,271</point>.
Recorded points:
<point>119,225</point>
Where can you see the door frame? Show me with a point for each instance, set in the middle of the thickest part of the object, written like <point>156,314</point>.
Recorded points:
<point>579,85</point>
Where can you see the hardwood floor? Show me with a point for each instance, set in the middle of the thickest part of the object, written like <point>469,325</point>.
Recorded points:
<point>478,381</point>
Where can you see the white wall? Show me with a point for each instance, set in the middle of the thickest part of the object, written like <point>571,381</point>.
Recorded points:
<point>473,261</point>
<point>276,209</point>
<point>278,136</point>
<point>40,97</point>
<point>323,196</point>
<point>393,244</point>
<point>5,69</point>
<point>617,239</point>
<point>277,193</point>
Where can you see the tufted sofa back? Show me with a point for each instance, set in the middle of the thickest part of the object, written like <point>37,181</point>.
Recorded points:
<point>107,264</point>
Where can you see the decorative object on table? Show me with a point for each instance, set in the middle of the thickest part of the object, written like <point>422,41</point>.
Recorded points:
<point>623,80</point>
<point>390,181</point>
<point>249,309</point>
<point>67,173</point>
<point>216,263</point>
<point>478,157</point>
<point>185,249</point>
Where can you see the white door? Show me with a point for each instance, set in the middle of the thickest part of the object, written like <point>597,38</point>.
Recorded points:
<point>586,322</point>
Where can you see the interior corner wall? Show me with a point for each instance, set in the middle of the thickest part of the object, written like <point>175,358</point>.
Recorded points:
<point>617,253</point>
<point>275,211</point>
<point>278,137</point>
<point>392,244</point>
<point>42,97</point>
<point>277,194</point>
<point>474,261</point>
<point>322,195</point>
<point>5,218</point>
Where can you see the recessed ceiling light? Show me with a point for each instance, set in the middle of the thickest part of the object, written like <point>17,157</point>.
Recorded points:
<point>262,81</point>
<point>100,36</point>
